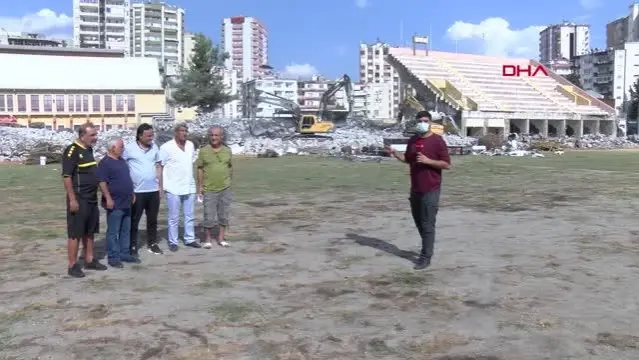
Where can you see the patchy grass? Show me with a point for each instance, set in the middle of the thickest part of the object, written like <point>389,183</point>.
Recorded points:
<point>235,311</point>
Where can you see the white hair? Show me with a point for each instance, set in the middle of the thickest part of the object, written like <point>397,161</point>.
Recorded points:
<point>113,142</point>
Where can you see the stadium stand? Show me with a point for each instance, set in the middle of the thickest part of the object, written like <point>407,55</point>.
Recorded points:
<point>481,99</point>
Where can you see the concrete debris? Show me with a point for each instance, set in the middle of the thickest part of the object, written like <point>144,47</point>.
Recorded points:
<point>357,140</point>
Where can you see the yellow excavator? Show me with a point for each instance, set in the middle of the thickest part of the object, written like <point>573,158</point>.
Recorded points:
<point>411,106</point>
<point>311,126</point>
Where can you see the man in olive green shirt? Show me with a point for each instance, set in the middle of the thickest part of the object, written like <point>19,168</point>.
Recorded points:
<point>214,173</point>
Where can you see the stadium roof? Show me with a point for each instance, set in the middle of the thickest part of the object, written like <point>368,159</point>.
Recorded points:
<point>44,72</point>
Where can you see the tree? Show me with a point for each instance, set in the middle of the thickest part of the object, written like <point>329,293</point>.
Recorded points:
<point>633,103</point>
<point>201,84</point>
<point>574,79</point>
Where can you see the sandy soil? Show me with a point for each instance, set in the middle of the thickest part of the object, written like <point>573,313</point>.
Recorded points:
<point>331,278</point>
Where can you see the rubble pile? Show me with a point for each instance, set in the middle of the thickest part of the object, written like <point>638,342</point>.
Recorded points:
<point>271,138</point>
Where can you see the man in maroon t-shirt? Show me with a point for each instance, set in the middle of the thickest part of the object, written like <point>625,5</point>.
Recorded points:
<point>427,154</point>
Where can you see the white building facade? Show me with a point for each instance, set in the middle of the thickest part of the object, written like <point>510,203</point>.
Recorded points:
<point>189,46</point>
<point>157,31</point>
<point>245,39</point>
<point>610,73</point>
<point>259,100</point>
<point>231,110</point>
<point>624,29</point>
<point>102,24</point>
<point>373,101</point>
<point>373,69</point>
<point>563,42</point>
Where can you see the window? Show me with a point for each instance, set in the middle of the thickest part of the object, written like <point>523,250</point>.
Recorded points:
<point>108,103</point>
<point>9,102</point>
<point>35,103</point>
<point>59,103</point>
<point>119,103</point>
<point>71,103</point>
<point>96,103</point>
<point>131,103</point>
<point>2,104</point>
<point>48,103</point>
<point>85,103</point>
<point>22,103</point>
<point>78,103</point>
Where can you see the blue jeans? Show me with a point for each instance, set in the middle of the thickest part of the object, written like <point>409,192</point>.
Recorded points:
<point>118,235</point>
<point>186,203</point>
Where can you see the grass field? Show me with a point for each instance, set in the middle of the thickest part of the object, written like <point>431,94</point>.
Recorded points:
<point>536,258</point>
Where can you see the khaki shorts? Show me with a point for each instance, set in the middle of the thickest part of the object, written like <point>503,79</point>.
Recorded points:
<point>217,208</point>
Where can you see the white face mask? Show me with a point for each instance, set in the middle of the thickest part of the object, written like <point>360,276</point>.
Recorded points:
<point>422,127</point>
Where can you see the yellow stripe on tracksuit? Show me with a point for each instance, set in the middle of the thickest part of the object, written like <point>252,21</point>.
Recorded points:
<point>71,150</point>
<point>87,164</point>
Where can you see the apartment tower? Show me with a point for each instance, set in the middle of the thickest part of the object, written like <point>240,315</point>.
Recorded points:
<point>245,39</point>
<point>157,31</point>
<point>563,42</point>
<point>102,24</point>
<point>624,29</point>
<point>373,69</point>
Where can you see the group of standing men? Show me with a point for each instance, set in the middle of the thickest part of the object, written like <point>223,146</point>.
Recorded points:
<point>133,178</point>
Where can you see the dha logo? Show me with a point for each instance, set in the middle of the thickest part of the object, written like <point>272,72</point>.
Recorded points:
<point>517,70</point>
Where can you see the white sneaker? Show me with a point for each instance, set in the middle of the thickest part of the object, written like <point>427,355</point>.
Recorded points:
<point>207,245</point>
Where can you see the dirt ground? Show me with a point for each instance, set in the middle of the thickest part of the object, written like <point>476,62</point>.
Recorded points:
<point>322,270</point>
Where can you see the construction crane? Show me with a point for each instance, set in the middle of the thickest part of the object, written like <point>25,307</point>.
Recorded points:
<point>306,125</point>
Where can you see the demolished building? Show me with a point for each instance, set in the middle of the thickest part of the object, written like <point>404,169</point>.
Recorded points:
<point>476,92</point>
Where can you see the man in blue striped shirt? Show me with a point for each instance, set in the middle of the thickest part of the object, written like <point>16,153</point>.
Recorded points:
<point>142,158</point>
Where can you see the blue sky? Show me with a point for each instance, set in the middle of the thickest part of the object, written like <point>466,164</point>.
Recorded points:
<point>325,35</point>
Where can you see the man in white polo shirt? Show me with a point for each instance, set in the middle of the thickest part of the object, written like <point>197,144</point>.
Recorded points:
<point>177,181</point>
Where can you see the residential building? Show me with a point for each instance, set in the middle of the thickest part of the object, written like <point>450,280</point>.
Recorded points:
<point>65,91</point>
<point>562,42</point>
<point>269,97</point>
<point>157,31</point>
<point>60,51</point>
<point>245,39</point>
<point>372,101</point>
<point>625,29</point>
<point>29,39</point>
<point>189,46</point>
<point>310,93</point>
<point>102,24</point>
<point>373,68</point>
<point>232,109</point>
<point>610,73</point>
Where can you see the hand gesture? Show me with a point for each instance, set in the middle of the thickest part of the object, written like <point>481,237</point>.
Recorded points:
<point>422,159</point>
<point>74,206</point>
<point>389,149</point>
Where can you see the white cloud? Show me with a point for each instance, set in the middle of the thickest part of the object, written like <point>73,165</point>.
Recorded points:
<point>590,4</point>
<point>43,21</point>
<point>364,3</point>
<point>493,36</point>
<point>300,71</point>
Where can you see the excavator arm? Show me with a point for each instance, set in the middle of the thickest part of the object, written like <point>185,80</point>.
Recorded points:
<point>344,83</point>
<point>288,105</point>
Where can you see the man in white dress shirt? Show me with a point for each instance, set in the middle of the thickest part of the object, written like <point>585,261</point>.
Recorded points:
<point>178,183</point>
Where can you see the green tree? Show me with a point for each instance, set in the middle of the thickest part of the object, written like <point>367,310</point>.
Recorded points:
<point>201,84</point>
<point>574,79</point>
<point>633,103</point>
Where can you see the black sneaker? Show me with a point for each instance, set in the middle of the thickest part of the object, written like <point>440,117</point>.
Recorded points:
<point>76,271</point>
<point>116,264</point>
<point>130,259</point>
<point>422,263</point>
<point>134,252</point>
<point>194,244</point>
<point>155,249</point>
<point>95,265</point>
<point>173,248</point>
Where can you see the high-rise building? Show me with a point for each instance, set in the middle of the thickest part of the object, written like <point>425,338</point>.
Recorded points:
<point>563,42</point>
<point>102,24</point>
<point>157,31</point>
<point>245,39</point>
<point>624,29</point>
<point>373,69</point>
<point>189,45</point>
